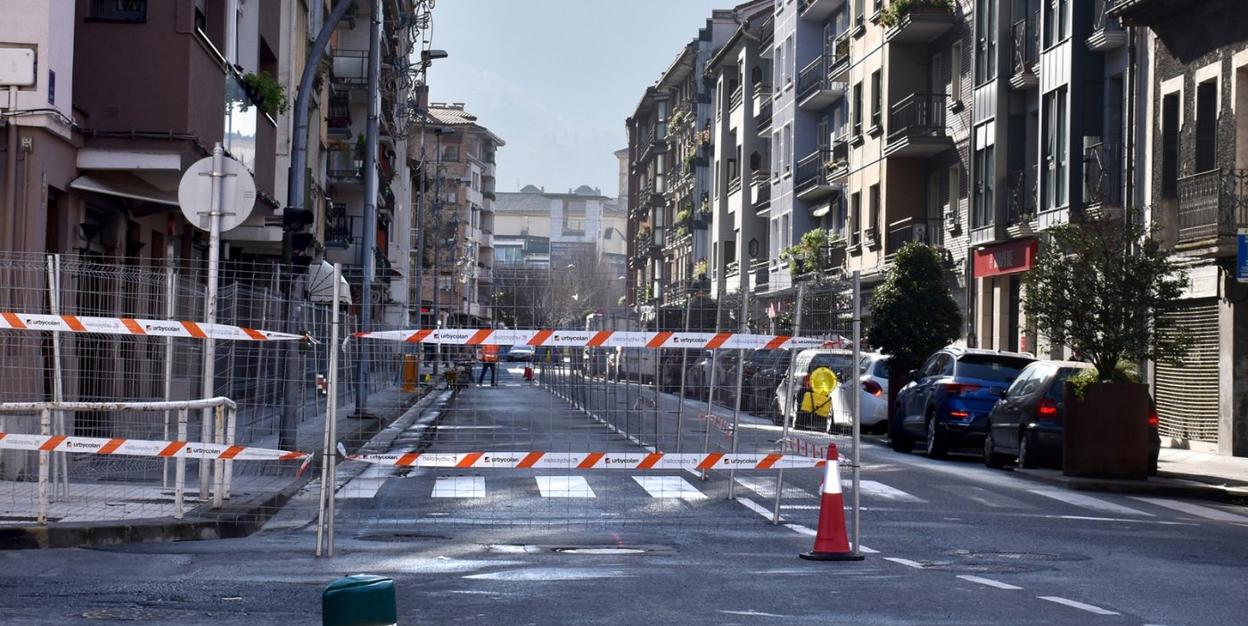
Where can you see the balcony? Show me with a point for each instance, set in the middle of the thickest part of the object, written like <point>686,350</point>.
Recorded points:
<point>738,96</point>
<point>762,117</point>
<point>1102,175</point>
<point>1024,46</point>
<point>1107,31</point>
<point>338,115</point>
<point>811,181</point>
<point>818,10</point>
<point>734,183</point>
<point>839,63</point>
<point>838,164</point>
<point>343,165</point>
<point>1020,201</point>
<point>339,231</point>
<point>918,21</point>
<point>349,68</point>
<point>1213,205</point>
<point>916,126</point>
<point>815,91</point>
<point>921,229</point>
<point>761,188</point>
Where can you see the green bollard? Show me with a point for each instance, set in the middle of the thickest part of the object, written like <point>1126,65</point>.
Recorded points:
<point>359,600</point>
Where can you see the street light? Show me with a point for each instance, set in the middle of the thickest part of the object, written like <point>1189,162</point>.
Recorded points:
<point>437,210</point>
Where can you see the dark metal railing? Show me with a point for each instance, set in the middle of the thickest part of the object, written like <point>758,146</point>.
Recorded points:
<point>810,169</point>
<point>338,231</point>
<point>1101,20</point>
<point>762,117</point>
<point>1025,45</point>
<point>762,195</point>
<point>813,77</point>
<point>1102,174</point>
<point>919,114</point>
<point>921,229</point>
<point>1020,202</point>
<point>738,96</point>
<point>1212,204</point>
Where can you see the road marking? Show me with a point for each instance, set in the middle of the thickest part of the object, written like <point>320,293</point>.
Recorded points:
<point>1087,518</point>
<point>564,487</point>
<point>801,530</point>
<point>1079,605</point>
<point>800,507</point>
<point>754,506</point>
<point>1089,502</point>
<point>988,581</point>
<point>751,613</point>
<point>669,487</point>
<point>906,562</point>
<point>459,487</point>
<point>767,488</point>
<point>984,497</point>
<point>1194,509</point>
<point>880,490</point>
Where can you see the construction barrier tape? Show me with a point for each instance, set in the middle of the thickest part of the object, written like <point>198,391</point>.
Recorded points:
<point>597,339</point>
<point>805,448</point>
<point>141,447</point>
<point>140,327</point>
<point>588,460</point>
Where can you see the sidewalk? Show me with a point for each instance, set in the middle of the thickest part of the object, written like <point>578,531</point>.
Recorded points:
<point>1180,474</point>
<point>254,499</point>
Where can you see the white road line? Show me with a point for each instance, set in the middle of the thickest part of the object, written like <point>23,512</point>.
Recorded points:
<point>1088,518</point>
<point>1194,509</point>
<point>906,562</point>
<point>988,581</point>
<point>669,487</point>
<point>564,487</point>
<point>1089,502</point>
<point>866,550</point>
<point>877,489</point>
<point>986,498</point>
<point>800,507</point>
<point>801,530</point>
<point>459,487</point>
<point>766,488</point>
<point>754,506</point>
<point>1079,605</point>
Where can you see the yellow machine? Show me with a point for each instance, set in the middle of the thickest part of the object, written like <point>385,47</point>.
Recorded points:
<point>817,397</point>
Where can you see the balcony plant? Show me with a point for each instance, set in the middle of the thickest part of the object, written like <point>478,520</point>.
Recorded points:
<point>811,253</point>
<point>267,94</point>
<point>898,9</point>
<point>1103,288</point>
<point>835,164</point>
<point>699,269</point>
<point>913,314</point>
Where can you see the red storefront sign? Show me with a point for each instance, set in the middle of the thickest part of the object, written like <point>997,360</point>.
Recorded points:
<point>1007,258</point>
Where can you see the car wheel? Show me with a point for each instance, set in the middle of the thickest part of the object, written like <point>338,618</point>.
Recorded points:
<point>898,440</point>
<point>992,458</point>
<point>1027,451</point>
<point>935,443</point>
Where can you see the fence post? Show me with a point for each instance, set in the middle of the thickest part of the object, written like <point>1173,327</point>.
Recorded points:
<point>60,464</point>
<point>788,399</point>
<point>658,360</point>
<point>218,466</point>
<point>736,409</point>
<point>328,457</point>
<point>179,471</point>
<point>170,312</point>
<point>857,403</point>
<point>710,389</point>
<point>684,365</point>
<point>45,428</point>
<point>231,422</point>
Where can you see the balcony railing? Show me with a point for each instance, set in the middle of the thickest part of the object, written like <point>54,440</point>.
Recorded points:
<point>839,159</point>
<point>920,114</point>
<point>810,169</point>
<point>921,229</point>
<point>343,166</point>
<point>813,77</point>
<point>350,67</point>
<point>762,195</point>
<point>338,227</point>
<point>762,117</point>
<point>734,183</point>
<point>838,56</point>
<point>1107,32</point>
<point>738,96</point>
<point>1020,203</point>
<point>1102,174</point>
<point>1212,205</point>
<point>1025,45</point>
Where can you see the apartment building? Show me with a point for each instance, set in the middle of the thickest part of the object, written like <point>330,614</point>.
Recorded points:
<point>460,224</point>
<point>1195,159</point>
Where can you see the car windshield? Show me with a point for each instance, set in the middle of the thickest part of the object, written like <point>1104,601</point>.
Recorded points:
<point>1058,389</point>
<point>839,363</point>
<point>992,367</point>
<point>880,370</point>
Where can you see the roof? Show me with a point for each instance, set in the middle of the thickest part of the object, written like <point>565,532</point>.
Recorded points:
<point>455,116</point>
<point>751,26</point>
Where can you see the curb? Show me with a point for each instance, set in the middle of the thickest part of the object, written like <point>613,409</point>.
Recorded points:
<point>235,519</point>
<point>1156,486</point>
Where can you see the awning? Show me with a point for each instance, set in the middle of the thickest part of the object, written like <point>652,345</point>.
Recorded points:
<point>321,284</point>
<point>124,185</point>
<point>822,210</point>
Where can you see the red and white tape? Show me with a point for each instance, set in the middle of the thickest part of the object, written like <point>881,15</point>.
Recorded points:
<point>587,460</point>
<point>137,327</point>
<point>805,448</point>
<point>597,339</point>
<point>143,447</point>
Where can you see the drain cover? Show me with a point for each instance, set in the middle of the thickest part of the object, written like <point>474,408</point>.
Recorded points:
<point>1016,556</point>
<point>600,551</point>
<point>401,537</point>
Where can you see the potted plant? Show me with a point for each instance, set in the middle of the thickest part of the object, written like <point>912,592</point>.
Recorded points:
<point>899,9</point>
<point>1103,288</point>
<point>699,269</point>
<point>266,92</point>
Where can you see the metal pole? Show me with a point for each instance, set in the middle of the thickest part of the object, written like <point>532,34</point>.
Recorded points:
<point>788,400</point>
<point>418,268</point>
<point>218,468</point>
<point>368,255</point>
<point>658,359</point>
<point>857,403</point>
<point>684,365</point>
<point>179,470</point>
<point>331,413</point>
<point>231,424</point>
<point>59,465</point>
<point>45,428</point>
<point>437,252</point>
<point>710,390</point>
<point>170,297</point>
<point>210,304</point>
<point>736,409</point>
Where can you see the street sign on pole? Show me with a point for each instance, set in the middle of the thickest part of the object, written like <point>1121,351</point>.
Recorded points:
<point>238,193</point>
<point>1241,261</point>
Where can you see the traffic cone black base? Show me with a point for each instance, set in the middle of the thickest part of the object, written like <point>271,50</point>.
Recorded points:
<point>831,556</point>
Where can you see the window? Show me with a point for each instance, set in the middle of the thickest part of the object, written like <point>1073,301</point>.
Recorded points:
<point>1170,145</point>
<point>877,97</point>
<point>778,70</point>
<point>857,109</point>
<point>1055,158</point>
<point>985,174</point>
<point>955,190</point>
<point>786,237</point>
<point>955,72</point>
<point>661,126</point>
<point>132,11</point>
<point>775,234</point>
<point>789,67</point>
<point>855,218</point>
<point>874,206</point>
<point>859,7</point>
<point>986,46</point>
<point>775,154</point>
<point>1207,126</point>
<point>788,148</point>
<point>1056,22</point>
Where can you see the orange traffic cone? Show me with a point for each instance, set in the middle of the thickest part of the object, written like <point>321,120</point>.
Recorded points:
<point>528,373</point>
<point>831,542</point>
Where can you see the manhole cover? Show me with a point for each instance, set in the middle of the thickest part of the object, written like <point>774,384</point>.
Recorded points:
<point>600,551</point>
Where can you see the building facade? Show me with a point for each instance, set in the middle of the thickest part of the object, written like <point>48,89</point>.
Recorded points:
<point>537,228</point>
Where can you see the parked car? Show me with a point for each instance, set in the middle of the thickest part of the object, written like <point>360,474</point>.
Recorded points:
<point>698,376</point>
<point>1027,424</point>
<point>763,371</point>
<point>946,403</point>
<point>872,388</point>
<point>520,353</point>
<point>841,362</point>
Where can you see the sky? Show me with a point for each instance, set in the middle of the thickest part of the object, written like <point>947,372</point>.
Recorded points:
<point>556,79</point>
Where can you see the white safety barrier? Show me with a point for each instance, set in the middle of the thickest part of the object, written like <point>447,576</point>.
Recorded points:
<point>588,460</point>
<point>143,447</point>
<point>138,327</point>
<point>598,339</point>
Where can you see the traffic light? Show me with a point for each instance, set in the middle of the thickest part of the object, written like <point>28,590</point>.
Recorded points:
<point>295,222</point>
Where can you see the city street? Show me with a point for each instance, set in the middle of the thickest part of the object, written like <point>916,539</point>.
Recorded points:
<point>946,542</point>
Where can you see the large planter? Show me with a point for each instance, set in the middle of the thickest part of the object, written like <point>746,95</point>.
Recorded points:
<point>1106,433</point>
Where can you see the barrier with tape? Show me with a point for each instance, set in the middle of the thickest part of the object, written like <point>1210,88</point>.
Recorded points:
<point>588,460</point>
<point>138,327</point>
<point>805,448</point>
<point>143,447</point>
<point>596,339</point>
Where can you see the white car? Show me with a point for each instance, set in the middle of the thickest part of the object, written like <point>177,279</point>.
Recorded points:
<point>520,353</point>
<point>872,388</point>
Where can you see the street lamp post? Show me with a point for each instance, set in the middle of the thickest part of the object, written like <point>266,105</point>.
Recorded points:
<point>437,228</point>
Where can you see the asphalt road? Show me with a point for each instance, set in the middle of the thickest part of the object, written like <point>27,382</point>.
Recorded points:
<point>948,542</point>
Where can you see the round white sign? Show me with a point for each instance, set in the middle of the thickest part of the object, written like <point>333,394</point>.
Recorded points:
<point>238,194</point>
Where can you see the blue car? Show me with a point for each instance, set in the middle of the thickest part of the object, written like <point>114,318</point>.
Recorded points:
<point>947,402</point>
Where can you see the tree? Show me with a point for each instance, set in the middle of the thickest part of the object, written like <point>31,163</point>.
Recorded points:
<point>1102,288</point>
<point>912,313</point>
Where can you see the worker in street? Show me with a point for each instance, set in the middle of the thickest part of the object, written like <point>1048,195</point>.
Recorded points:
<point>488,355</point>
